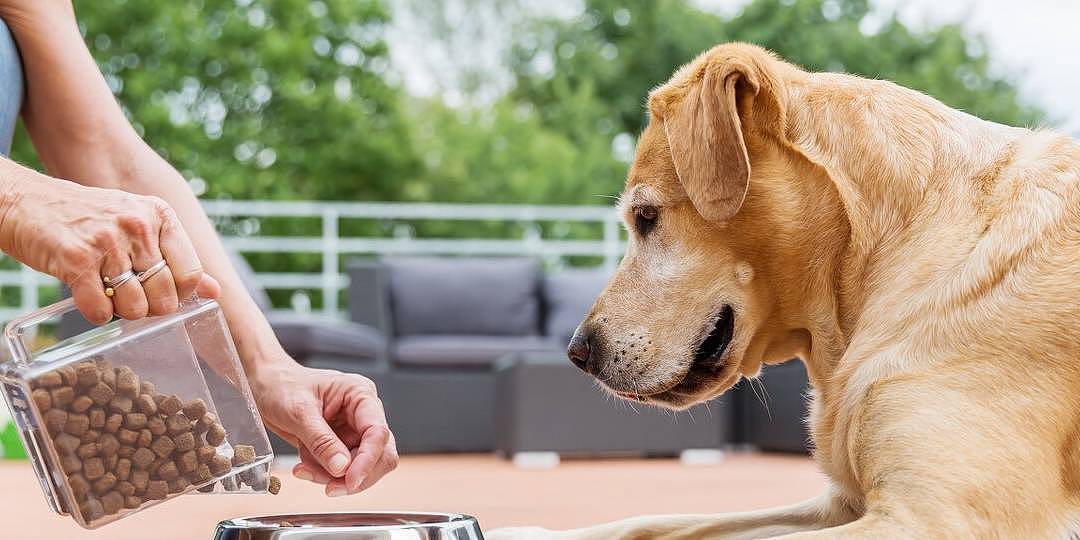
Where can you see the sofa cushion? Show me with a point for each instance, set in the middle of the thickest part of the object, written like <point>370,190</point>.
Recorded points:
<point>465,351</point>
<point>568,295</point>
<point>305,336</point>
<point>483,296</point>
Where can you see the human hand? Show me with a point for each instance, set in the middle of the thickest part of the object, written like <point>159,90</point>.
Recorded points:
<point>81,235</point>
<point>335,419</point>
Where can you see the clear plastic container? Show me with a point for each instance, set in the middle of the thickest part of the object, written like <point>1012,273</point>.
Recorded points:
<point>133,413</point>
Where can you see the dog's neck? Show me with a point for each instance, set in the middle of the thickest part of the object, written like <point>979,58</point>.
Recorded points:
<point>891,164</point>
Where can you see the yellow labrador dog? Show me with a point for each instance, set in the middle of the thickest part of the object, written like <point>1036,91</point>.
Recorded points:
<point>923,263</point>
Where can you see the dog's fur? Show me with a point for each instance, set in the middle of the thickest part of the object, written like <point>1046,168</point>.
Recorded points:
<point>922,262</point>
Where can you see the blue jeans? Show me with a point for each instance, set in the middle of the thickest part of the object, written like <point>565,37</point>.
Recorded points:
<point>11,87</point>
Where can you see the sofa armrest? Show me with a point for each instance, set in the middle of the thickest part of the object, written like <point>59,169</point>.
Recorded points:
<point>369,295</point>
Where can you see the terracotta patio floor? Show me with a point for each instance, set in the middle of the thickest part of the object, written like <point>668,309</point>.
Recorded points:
<point>575,493</point>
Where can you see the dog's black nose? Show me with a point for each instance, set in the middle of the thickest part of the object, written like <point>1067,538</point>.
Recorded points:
<point>578,350</point>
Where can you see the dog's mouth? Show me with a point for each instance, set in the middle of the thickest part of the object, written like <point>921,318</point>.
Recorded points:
<point>706,368</point>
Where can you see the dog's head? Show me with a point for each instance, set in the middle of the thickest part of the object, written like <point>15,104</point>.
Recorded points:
<point>693,305</point>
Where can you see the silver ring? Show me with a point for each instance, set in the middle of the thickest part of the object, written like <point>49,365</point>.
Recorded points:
<point>149,272</point>
<point>113,283</point>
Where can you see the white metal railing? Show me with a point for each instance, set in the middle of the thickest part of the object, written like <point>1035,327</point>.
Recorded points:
<point>332,246</point>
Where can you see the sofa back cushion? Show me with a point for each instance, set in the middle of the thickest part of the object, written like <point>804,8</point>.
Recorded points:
<point>478,296</point>
<point>568,295</point>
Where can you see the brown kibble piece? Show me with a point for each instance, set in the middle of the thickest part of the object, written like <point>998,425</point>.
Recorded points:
<point>93,468</point>
<point>135,420</point>
<point>126,489</point>
<point>156,425</point>
<point>42,399</point>
<point>195,408</point>
<point>146,404</point>
<point>113,422</point>
<point>125,451</point>
<point>66,444</point>
<point>206,453</point>
<point>88,450</point>
<point>157,489</point>
<point>91,435</point>
<point>120,404</point>
<point>101,394</point>
<point>92,510</point>
<point>68,374</point>
<point>184,441</point>
<point>219,465</point>
<point>62,397</point>
<point>178,423</point>
<point>77,424</point>
<point>275,485</point>
<point>70,463</point>
<point>168,470</point>
<point>123,470</point>
<point>202,474</point>
<point>81,404</point>
<point>170,405</point>
<point>178,484</point>
<point>163,446</point>
<point>145,437</point>
<point>153,468</point>
<point>97,418</point>
<point>188,462</point>
<point>127,436</point>
<point>142,458</point>
<point>112,502</point>
<point>108,444</point>
<point>215,435</point>
<point>105,484</point>
<point>110,462</point>
<point>50,380</point>
<point>79,486</point>
<point>55,420</point>
<point>133,501</point>
<point>148,388</point>
<point>139,479</point>
<point>86,374</point>
<point>243,454</point>
<point>205,423</point>
<point>127,382</point>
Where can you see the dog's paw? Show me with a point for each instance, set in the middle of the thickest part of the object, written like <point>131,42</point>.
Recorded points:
<point>522,533</point>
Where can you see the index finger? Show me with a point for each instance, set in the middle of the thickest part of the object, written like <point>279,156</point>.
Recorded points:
<point>369,420</point>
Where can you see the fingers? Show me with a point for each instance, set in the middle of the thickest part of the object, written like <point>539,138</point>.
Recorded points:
<point>128,298</point>
<point>179,253</point>
<point>366,457</point>
<point>89,295</point>
<point>208,287</point>
<point>316,437</point>
<point>387,462</point>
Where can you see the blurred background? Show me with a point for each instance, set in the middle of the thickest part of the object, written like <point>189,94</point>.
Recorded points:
<point>385,170</point>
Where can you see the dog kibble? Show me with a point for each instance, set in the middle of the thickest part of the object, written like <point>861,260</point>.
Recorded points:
<point>133,501</point>
<point>219,465</point>
<point>145,437</point>
<point>67,373</point>
<point>93,468</point>
<point>127,436</point>
<point>163,446</point>
<point>66,443</point>
<point>156,426</point>
<point>90,435</point>
<point>91,510</point>
<point>206,453</point>
<point>108,444</point>
<point>111,461</point>
<point>79,486</point>
<point>170,405</point>
<point>178,423</point>
<point>157,489</point>
<point>126,451</point>
<point>112,502</point>
<point>148,388</point>
<point>88,450</point>
<point>195,408</point>
<point>178,484</point>
<point>127,382</point>
<point>55,420</point>
<point>135,421</point>
<point>81,404</point>
<point>70,464</point>
<point>126,489</point>
<point>168,471</point>
<point>86,374</point>
<point>62,397</point>
<point>243,454</point>
<point>113,422</point>
<point>274,486</point>
<point>120,404</point>
<point>215,435</point>
<point>123,470</point>
<point>77,424</point>
<point>101,393</point>
<point>142,458</point>
<point>184,441</point>
<point>140,479</point>
<point>188,462</point>
<point>145,403</point>
<point>104,484</point>
<point>97,418</point>
<point>202,473</point>
<point>42,399</point>
<point>49,380</point>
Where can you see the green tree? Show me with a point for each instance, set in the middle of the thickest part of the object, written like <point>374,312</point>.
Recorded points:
<point>256,98</point>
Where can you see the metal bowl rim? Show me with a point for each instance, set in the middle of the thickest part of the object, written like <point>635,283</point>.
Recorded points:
<point>257,523</point>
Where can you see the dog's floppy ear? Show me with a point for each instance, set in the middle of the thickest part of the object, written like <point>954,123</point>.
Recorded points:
<point>701,118</point>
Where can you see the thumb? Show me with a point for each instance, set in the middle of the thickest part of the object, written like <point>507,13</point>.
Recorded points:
<point>208,287</point>
<point>324,445</point>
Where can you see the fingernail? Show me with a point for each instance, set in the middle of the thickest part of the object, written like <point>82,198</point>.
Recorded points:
<point>338,492</point>
<point>359,482</point>
<point>303,474</point>
<point>338,463</point>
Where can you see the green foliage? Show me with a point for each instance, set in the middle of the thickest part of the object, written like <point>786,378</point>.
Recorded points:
<point>285,99</point>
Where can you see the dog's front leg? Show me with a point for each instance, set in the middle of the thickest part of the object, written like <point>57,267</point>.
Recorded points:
<point>823,511</point>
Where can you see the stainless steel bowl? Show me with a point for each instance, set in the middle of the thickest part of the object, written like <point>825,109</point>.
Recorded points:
<point>352,526</point>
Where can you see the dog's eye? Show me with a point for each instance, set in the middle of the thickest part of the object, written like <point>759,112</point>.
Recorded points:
<point>645,219</point>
